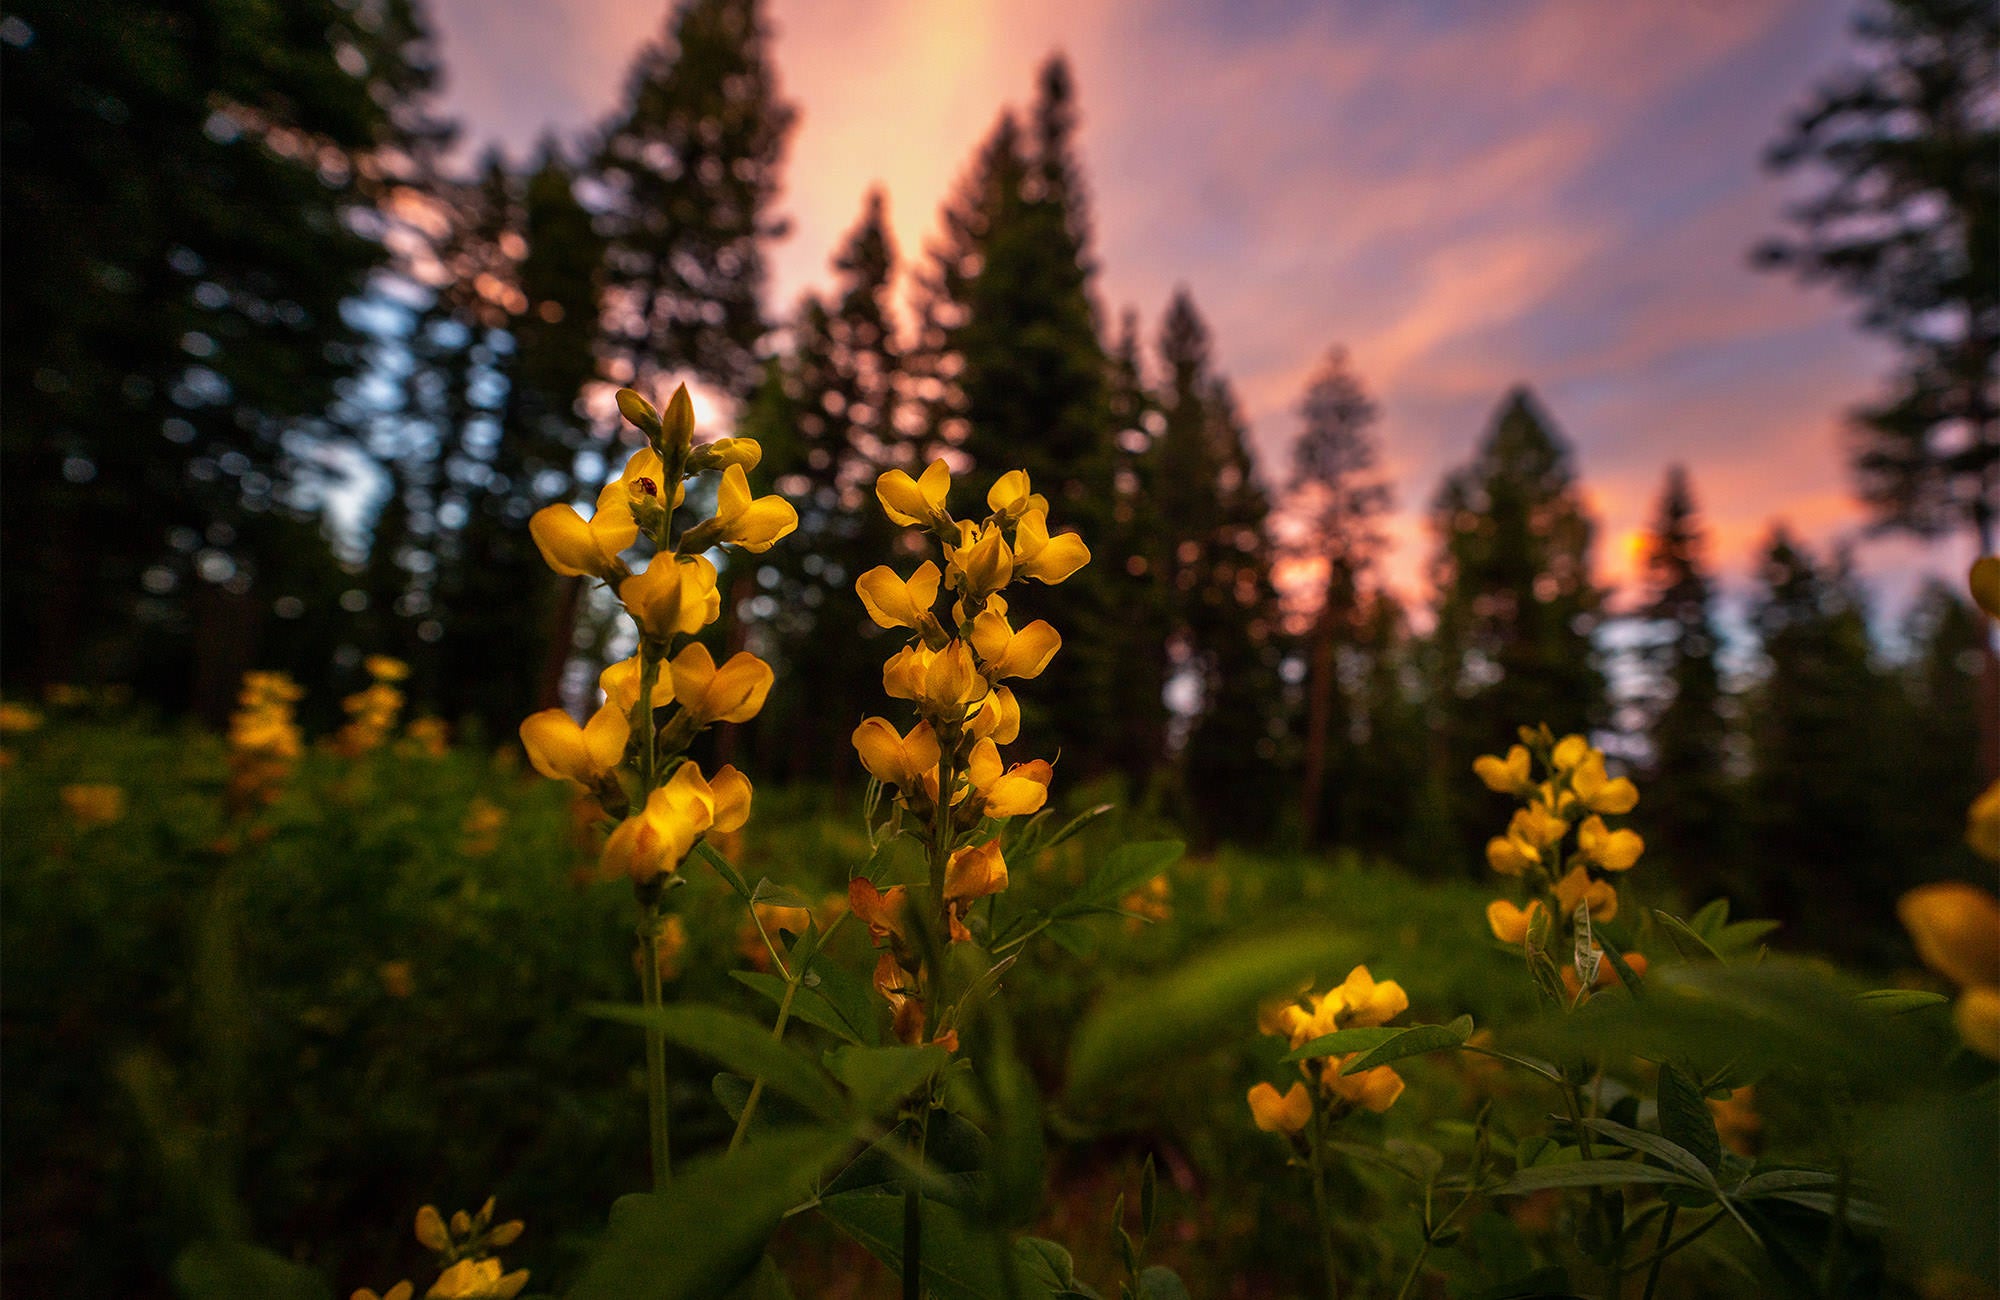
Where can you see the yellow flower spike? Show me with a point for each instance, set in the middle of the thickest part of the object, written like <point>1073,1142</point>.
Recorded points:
<point>1509,923</point>
<point>1977,1016</point>
<point>477,1279</point>
<point>996,718</point>
<point>1578,887</point>
<point>895,602</point>
<point>620,684</point>
<point>982,560</point>
<point>1956,929</point>
<point>1275,1114</point>
<point>730,790</point>
<point>1012,792</point>
<point>1510,775</point>
<point>1569,752</point>
<point>431,1233</point>
<point>754,524</point>
<point>563,751</point>
<point>1375,1090</point>
<point>1006,653</point>
<point>732,693</point>
<point>672,597</point>
<point>914,501</point>
<point>654,840</point>
<point>1600,793</point>
<point>400,1291</point>
<point>1982,824</point>
<point>580,548</point>
<point>951,681</point>
<point>1042,557</point>
<point>1535,825</point>
<point>1509,856</point>
<point>1368,1003</point>
<point>1613,850</point>
<point>901,761</point>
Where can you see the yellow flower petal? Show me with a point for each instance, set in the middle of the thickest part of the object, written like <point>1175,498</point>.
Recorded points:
<point>1577,887</point>
<point>1977,1016</point>
<point>1613,850</point>
<point>1275,1114</point>
<point>914,501</point>
<point>1368,1003</point>
<point>1509,775</point>
<point>1956,929</point>
<point>568,544</point>
<point>732,693</point>
<point>975,872</point>
<point>672,597</point>
<point>893,602</point>
<point>732,799</point>
<point>559,749</point>
<point>753,525</point>
<point>1510,923</point>
<point>1509,856</point>
<point>1042,557</point>
<point>997,718</point>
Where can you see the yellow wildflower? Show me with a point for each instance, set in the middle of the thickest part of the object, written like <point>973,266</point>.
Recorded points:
<point>477,1279</point>
<point>1538,826</point>
<point>1042,557</point>
<point>914,501</point>
<point>880,910</point>
<point>732,693</point>
<point>94,805</point>
<point>725,453</point>
<point>907,762</point>
<point>1984,581</point>
<point>430,737</point>
<point>1010,496</point>
<point>1569,752</point>
<point>942,682</point>
<point>1275,1114</point>
<point>1367,1003</point>
<point>894,602</point>
<point>1003,652</point>
<point>15,718</point>
<point>1374,1090</point>
<point>580,548</point>
<point>1578,887</point>
<point>753,524</point>
<point>385,668</point>
<point>563,751</point>
<point>400,1291</point>
<point>1613,850</point>
<point>1599,793</point>
<point>1510,923</point>
<point>1737,1122</point>
<point>431,1232</point>
<point>1511,856</point>
<point>1956,929</point>
<point>996,718</point>
<point>672,597</point>
<point>657,838</point>
<point>981,562</point>
<point>620,684</point>
<point>1509,775</point>
<point>972,873</point>
<point>1013,792</point>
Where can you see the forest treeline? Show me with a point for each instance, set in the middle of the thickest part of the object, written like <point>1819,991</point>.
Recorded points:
<point>249,279</point>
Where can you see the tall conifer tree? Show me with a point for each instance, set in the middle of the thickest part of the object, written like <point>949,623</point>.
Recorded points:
<point>689,166</point>
<point>1687,789</point>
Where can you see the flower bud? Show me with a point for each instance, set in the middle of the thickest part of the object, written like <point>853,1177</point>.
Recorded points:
<point>639,412</point>
<point>676,428</point>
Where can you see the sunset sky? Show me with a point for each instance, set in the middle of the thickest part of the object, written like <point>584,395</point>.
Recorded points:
<point>1466,195</point>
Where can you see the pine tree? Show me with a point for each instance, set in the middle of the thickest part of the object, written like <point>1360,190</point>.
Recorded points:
<point>189,198</point>
<point>1908,221</point>
<point>1337,500</point>
<point>1516,600</point>
<point>1218,574</point>
<point>690,169</point>
<point>1017,377</point>
<point>839,399</point>
<point>1137,555</point>
<point>1820,727</point>
<point>1687,796</point>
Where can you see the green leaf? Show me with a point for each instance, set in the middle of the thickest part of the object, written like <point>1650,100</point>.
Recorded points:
<point>1130,866</point>
<point>1672,1154</point>
<point>1159,1283</point>
<point>741,1046</point>
<point>955,1157</point>
<point>236,1270</point>
<point>1897,1002</point>
<point>1046,1263</point>
<point>1414,1041</point>
<point>1685,1118</point>
<point>1590,1173</point>
<point>1210,998</point>
<point>1775,1181</point>
<point>730,875</point>
<point>707,1230</point>
<point>959,1261</point>
<point>853,998</point>
<point>1074,825</point>
<point>1685,938</point>
<point>772,894</point>
<point>1342,1041</point>
<point>879,1078</point>
<point>807,1004</point>
<point>1865,1213</point>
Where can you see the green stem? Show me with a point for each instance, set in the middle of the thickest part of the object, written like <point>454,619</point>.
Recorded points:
<point>1318,1161</point>
<point>656,1048</point>
<point>757,1085</point>
<point>1659,1252</point>
<point>913,1242</point>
